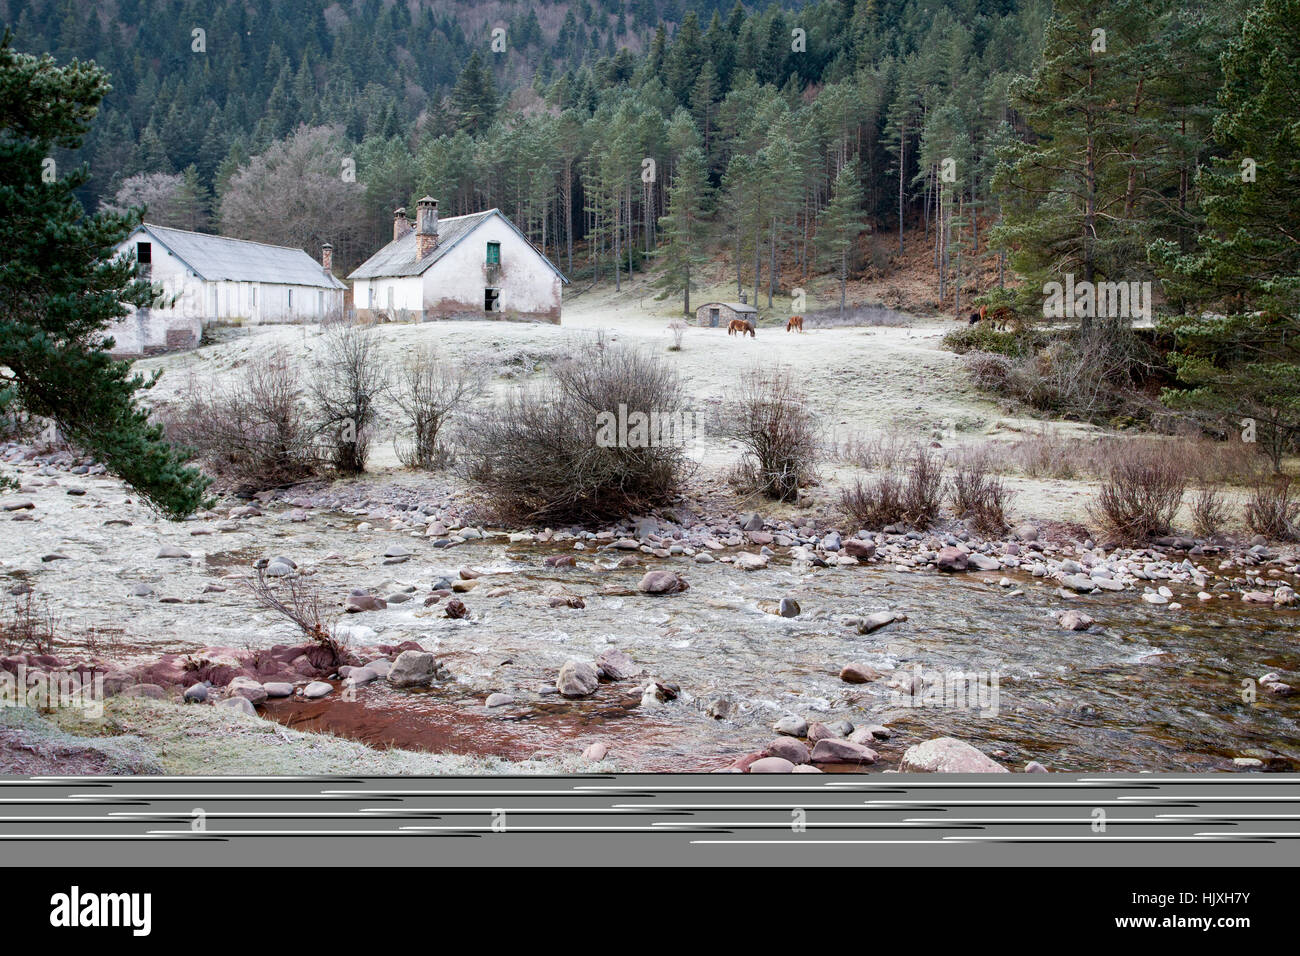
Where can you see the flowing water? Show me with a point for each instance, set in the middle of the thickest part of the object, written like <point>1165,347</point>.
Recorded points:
<point>1146,689</point>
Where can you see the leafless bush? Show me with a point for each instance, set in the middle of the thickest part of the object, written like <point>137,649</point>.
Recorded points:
<point>678,330</point>
<point>1141,494</point>
<point>923,489</point>
<point>910,497</point>
<point>979,495</point>
<point>1272,511</point>
<point>557,451</point>
<point>1089,375</point>
<point>29,626</point>
<point>874,503</point>
<point>1209,510</point>
<point>428,393</point>
<point>297,599</point>
<point>772,422</point>
<point>252,432</point>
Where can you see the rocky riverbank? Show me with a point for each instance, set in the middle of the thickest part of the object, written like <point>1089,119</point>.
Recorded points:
<point>559,628</point>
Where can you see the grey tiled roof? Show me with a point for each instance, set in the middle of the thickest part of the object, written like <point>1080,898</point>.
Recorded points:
<point>398,257</point>
<point>218,258</point>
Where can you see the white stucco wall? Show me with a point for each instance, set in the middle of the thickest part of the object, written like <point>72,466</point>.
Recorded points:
<point>186,299</point>
<point>456,283</point>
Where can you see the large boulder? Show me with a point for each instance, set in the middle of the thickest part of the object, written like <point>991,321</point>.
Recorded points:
<point>946,755</point>
<point>951,560</point>
<point>662,582</point>
<point>576,679</point>
<point>857,548</point>
<point>835,750</point>
<point>414,669</point>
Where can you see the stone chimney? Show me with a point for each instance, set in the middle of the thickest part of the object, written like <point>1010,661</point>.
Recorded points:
<point>327,259</point>
<point>426,227</point>
<point>401,225</point>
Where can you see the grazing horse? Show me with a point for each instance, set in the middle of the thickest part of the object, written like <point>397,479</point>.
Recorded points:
<point>741,326</point>
<point>795,324</point>
<point>980,315</point>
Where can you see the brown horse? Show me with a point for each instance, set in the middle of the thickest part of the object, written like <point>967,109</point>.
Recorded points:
<point>741,326</point>
<point>795,324</point>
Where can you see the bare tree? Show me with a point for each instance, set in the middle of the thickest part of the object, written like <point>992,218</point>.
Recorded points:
<point>298,193</point>
<point>428,392</point>
<point>345,388</point>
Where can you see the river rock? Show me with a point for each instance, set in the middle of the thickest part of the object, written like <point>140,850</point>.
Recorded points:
<point>1079,582</point>
<point>748,561</point>
<point>857,673</point>
<point>413,669</point>
<point>788,607</point>
<point>771,765</point>
<point>359,601</point>
<point>857,548</point>
<point>951,560</point>
<point>874,622</point>
<point>249,689</point>
<point>835,750</point>
<point>596,752</point>
<point>787,748</point>
<point>317,689</point>
<point>662,582</point>
<point>195,694</point>
<point>614,664</point>
<point>947,755</point>
<point>498,700</point>
<point>238,704</point>
<point>278,689</point>
<point>1074,621</point>
<point>576,679</point>
<point>791,726</point>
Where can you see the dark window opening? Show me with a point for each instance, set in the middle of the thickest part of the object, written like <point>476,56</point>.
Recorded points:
<point>491,300</point>
<point>143,258</point>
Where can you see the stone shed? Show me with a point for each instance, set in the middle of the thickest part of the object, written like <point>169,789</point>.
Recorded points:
<point>720,314</point>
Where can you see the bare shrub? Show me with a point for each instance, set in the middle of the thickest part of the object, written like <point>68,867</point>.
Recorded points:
<point>772,422</point>
<point>428,393</point>
<point>557,451</point>
<point>979,495</point>
<point>345,389</point>
<point>252,432</point>
<point>910,496</point>
<point>1141,494</point>
<point>1089,375</point>
<point>1271,510</point>
<point>874,503</point>
<point>29,626</point>
<point>677,328</point>
<point>1209,510</point>
<point>297,599</point>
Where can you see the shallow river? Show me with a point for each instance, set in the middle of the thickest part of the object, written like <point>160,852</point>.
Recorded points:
<point>1146,689</point>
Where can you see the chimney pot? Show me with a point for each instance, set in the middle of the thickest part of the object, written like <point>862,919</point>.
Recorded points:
<point>426,227</point>
<point>401,225</point>
<point>327,258</point>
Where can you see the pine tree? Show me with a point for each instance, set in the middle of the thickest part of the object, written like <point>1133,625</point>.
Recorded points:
<point>841,223</point>
<point>60,285</point>
<point>1242,360</point>
<point>683,226</point>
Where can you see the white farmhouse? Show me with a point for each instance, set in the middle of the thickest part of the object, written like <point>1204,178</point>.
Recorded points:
<point>468,267</point>
<point>205,279</point>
